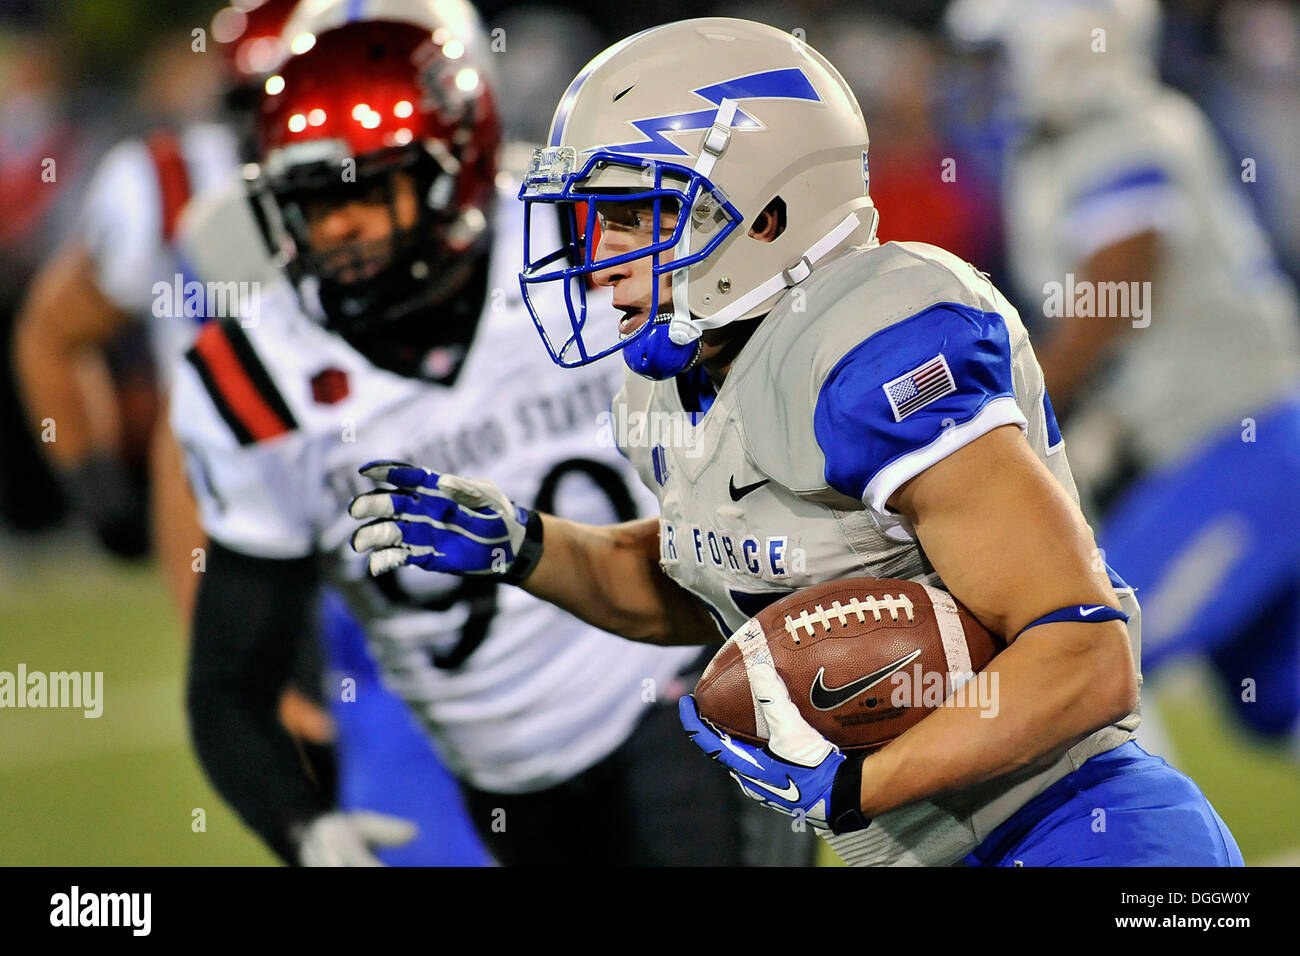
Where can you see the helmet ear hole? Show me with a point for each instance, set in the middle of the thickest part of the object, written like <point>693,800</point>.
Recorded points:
<point>770,223</point>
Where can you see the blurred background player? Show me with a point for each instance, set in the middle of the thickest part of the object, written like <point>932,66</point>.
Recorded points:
<point>97,344</point>
<point>43,157</point>
<point>94,304</point>
<point>1182,406</point>
<point>378,183</point>
<point>94,347</point>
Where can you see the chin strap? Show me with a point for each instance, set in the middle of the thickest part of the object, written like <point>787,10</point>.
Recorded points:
<point>785,279</point>
<point>657,355</point>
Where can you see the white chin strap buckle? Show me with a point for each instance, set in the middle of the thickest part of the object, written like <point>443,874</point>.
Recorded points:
<point>682,331</point>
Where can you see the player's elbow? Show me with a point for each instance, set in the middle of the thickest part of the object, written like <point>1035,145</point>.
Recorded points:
<point>1114,676</point>
<point>645,623</point>
<point>640,596</point>
<point>672,617</point>
<point>1093,676</point>
<point>662,631</point>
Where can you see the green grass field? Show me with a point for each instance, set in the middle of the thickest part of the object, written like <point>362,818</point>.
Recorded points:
<point>122,789</point>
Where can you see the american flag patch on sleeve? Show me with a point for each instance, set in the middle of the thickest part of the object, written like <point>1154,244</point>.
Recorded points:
<point>918,388</point>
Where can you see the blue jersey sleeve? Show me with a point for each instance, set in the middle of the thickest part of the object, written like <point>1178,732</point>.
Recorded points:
<point>912,394</point>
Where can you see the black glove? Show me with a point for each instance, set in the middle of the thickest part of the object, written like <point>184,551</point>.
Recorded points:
<point>101,489</point>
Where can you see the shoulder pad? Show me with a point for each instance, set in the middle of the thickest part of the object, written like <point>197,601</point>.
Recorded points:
<point>844,303</point>
<point>219,238</point>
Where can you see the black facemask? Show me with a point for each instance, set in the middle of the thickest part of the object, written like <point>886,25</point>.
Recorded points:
<point>431,342</point>
<point>400,299</point>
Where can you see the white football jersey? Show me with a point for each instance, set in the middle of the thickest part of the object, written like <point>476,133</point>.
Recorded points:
<point>125,227</point>
<point>894,357</point>
<point>1223,340</point>
<point>277,417</point>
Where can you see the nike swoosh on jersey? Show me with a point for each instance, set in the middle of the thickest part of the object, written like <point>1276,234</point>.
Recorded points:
<point>738,493</point>
<point>828,698</point>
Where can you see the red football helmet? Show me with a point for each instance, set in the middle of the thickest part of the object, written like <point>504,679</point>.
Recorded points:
<point>358,104</point>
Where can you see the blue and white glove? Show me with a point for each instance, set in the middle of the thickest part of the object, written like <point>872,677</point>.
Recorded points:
<point>798,772</point>
<point>444,523</point>
<point>350,837</point>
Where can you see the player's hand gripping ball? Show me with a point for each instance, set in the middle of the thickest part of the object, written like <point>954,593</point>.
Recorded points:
<point>798,771</point>
<point>802,692</point>
<point>443,523</point>
<point>864,660</point>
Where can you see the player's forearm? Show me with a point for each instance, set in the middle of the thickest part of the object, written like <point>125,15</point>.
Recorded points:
<point>68,396</point>
<point>1080,345</point>
<point>609,576</point>
<point>240,660</point>
<point>63,377</point>
<point>1051,688</point>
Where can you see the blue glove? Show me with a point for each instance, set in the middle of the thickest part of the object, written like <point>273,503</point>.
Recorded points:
<point>444,523</point>
<point>799,772</point>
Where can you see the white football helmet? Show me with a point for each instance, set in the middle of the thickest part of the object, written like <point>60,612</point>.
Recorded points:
<point>715,119</point>
<point>1065,58</point>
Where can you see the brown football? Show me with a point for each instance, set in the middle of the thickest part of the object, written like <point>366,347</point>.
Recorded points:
<point>863,658</point>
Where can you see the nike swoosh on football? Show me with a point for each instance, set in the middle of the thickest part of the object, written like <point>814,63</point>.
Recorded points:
<point>828,698</point>
<point>738,493</point>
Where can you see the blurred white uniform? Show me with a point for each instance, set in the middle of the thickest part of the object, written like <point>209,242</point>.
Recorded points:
<point>1188,432</point>
<point>130,216</point>
<point>1223,340</point>
<point>277,417</point>
<point>1203,403</point>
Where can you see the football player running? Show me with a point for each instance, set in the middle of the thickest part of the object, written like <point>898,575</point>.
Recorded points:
<point>859,408</point>
<point>1191,393</point>
<point>159,207</point>
<point>378,185</point>
<point>103,282</point>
